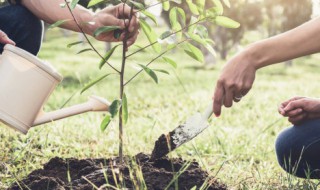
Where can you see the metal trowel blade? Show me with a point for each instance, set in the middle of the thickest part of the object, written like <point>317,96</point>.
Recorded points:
<point>182,134</point>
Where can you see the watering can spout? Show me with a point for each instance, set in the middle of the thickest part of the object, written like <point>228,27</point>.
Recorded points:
<point>93,104</point>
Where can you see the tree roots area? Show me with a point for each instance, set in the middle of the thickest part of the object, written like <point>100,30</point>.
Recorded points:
<point>133,173</point>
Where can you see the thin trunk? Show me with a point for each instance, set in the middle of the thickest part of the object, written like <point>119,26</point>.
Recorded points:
<point>122,84</point>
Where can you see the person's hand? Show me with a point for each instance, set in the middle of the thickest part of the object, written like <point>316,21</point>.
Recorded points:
<point>235,81</point>
<point>4,39</point>
<point>299,109</point>
<point>114,16</point>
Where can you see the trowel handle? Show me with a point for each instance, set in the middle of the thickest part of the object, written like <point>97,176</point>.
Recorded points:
<point>209,111</point>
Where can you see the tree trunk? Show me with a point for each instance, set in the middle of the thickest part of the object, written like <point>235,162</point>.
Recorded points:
<point>223,53</point>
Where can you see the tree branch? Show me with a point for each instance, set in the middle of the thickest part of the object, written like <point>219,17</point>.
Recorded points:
<point>154,59</point>
<point>151,44</point>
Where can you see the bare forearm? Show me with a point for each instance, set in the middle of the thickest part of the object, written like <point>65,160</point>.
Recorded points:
<point>301,41</point>
<point>51,11</point>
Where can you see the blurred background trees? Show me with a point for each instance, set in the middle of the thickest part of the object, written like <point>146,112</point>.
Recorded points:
<point>263,18</point>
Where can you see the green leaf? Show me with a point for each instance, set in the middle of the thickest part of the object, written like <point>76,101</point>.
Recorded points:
<point>202,31</point>
<point>192,27</point>
<point>226,22</point>
<point>94,2</point>
<point>197,39</point>
<point>74,43</point>
<point>84,50</point>
<point>165,35</point>
<point>210,49</point>
<point>161,71</point>
<point>173,16</point>
<point>193,8</point>
<point>219,7</point>
<point>194,52</point>
<point>124,108</point>
<point>177,27</point>
<point>170,61</point>
<point>105,122</point>
<point>151,35</point>
<point>105,29</point>
<point>150,16</point>
<point>150,72</point>
<point>74,3</point>
<point>114,108</point>
<point>58,23</point>
<point>182,15</point>
<point>166,5</point>
<point>138,5</point>
<point>94,82</point>
<point>107,56</point>
<point>201,5</point>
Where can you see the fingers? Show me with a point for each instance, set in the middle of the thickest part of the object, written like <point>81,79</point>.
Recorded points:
<point>132,39</point>
<point>218,99</point>
<point>134,24</point>
<point>4,39</point>
<point>228,98</point>
<point>293,113</point>
<point>123,10</point>
<point>284,104</point>
<point>299,103</point>
<point>298,119</point>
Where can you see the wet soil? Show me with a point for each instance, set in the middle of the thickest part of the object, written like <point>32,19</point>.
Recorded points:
<point>138,173</point>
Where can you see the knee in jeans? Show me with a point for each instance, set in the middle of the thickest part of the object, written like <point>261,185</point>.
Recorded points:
<point>288,154</point>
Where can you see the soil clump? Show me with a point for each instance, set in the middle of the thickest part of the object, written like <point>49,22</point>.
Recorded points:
<point>137,173</point>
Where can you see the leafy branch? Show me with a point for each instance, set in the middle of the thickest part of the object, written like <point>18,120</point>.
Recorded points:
<point>167,36</point>
<point>153,60</point>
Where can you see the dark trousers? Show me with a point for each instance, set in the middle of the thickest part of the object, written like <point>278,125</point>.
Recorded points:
<point>22,27</point>
<point>298,149</point>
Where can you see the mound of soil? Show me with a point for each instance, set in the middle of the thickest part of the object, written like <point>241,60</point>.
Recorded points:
<point>138,173</point>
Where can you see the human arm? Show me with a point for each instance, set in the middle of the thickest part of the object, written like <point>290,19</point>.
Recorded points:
<point>238,75</point>
<point>299,109</point>
<point>50,12</point>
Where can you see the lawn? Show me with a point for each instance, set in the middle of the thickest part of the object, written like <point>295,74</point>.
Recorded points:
<point>238,148</point>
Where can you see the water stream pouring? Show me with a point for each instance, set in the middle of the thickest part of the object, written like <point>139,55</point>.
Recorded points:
<point>26,82</point>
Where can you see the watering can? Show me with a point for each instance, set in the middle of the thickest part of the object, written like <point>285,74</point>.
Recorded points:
<point>26,83</point>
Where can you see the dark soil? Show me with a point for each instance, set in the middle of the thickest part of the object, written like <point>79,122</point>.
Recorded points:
<point>163,146</point>
<point>67,174</point>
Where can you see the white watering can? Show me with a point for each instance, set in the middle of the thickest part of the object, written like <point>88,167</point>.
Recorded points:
<point>26,83</point>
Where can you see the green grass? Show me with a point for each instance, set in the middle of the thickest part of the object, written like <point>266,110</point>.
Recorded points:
<point>238,148</point>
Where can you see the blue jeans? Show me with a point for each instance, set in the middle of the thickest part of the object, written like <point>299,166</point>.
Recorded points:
<point>298,149</point>
<point>22,27</point>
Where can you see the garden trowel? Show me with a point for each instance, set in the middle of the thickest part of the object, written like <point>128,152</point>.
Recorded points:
<point>182,134</point>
